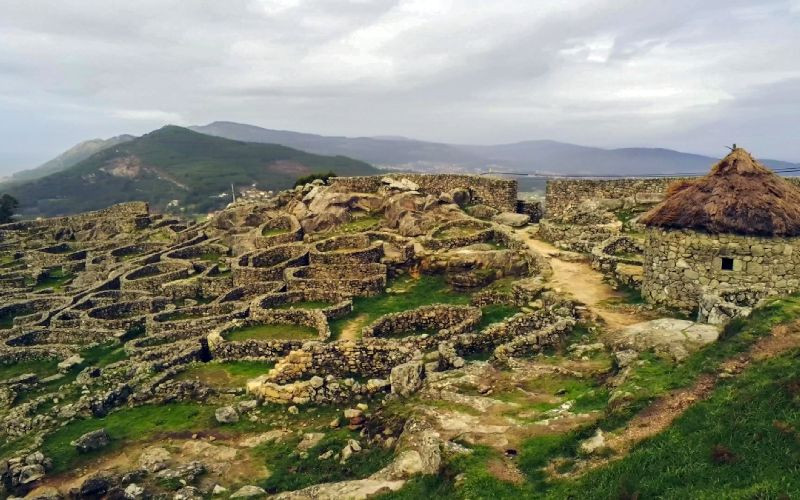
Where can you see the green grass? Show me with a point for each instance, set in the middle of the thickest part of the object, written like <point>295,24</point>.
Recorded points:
<point>494,313</point>
<point>743,442</point>
<point>408,293</point>
<point>455,232</point>
<point>273,231</point>
<point>225,375</point>
<point>290,471</point>
<point>271,332</point>
<point>179,315</point>
<point>359,224</point>
<point>6,321</point>
<point>55,279</point>
<point>41,367</point>
<point>211,256</point>
<point>127,425</point>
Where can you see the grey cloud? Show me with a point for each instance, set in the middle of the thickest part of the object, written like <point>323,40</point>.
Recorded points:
<point>678,74</point>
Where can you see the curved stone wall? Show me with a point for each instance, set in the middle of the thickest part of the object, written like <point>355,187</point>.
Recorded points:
<point>268,265</point>
<point>445,320</point>
<point>350,249</point>
<point>359,281</point>
<point>679,266</point>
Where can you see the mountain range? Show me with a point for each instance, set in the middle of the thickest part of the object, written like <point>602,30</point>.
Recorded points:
<point>195,165</point>
<point>540,156</point>
<point>172,163</point>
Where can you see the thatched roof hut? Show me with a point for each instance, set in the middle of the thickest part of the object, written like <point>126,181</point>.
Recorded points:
<point>739,196</point>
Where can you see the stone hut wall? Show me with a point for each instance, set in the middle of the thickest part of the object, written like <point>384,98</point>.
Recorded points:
<point>496,193</point>
<point>679,266</point>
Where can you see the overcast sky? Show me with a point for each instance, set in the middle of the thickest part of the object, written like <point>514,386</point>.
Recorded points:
<point>682,74</point>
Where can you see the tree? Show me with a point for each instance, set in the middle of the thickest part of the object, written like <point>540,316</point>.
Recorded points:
<point>8,205</point>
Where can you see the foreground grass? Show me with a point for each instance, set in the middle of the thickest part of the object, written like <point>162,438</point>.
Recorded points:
<point>225,375</point>
<point>743,442</point>
<point>125,426</point>
<point>291,471</point>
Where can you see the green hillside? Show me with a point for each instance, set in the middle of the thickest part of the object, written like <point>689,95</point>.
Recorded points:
<point>174,163</point>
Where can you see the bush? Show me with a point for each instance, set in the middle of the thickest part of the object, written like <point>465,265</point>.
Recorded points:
<point>312,177</point>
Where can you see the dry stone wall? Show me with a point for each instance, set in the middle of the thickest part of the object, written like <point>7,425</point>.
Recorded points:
<point>500,194</point>
<point>679,266</point>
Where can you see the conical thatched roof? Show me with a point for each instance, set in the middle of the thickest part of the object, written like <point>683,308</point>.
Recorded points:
<point>738,196</point>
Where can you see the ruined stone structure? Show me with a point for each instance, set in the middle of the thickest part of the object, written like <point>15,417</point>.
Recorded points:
<point>735,229</point>
<point>500,194</point>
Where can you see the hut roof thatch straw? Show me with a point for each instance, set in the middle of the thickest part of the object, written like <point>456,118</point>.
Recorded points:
<point>738,196</point>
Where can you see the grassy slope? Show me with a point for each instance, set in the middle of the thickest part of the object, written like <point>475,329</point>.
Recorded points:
<point>743,442</point>
<point>206,165</point>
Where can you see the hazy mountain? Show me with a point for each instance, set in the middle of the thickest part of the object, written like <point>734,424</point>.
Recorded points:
<point>396,152</point>
<point>526,157</point>
<point>173,163</point>
<point>70,157</point>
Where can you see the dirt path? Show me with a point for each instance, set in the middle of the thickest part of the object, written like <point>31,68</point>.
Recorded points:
<point>579,280</point>
<point>662,413</point>
<point>352,329</point>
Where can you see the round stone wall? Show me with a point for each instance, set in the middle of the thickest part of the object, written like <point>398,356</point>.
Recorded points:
<point>681,265</point>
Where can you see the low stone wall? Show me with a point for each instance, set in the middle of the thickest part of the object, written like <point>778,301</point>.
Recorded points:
<point>121,315</point>
<point>445,320</point>
<point>250,290</point>
<point>312,318</point>
<point>203,318</point>
<point>475,232</point>
<point>289,223</point>
<point>357,281</point>
<point>151,277</point>
<point>340,305</point>
<point>573,237</point>
<point>350,249</point>
<point>679,266</point>
<point>269,264</point>
<point>494,192</point>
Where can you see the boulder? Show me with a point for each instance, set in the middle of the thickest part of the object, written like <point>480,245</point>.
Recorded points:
<point>154,459</point>
<point>226,415</point>
<point>249,491</point>
<point>481,211</point>
<point>95,486</point>
<point>676,338</point>
<point>594,444</point>
<point>402,184</point>
<point>70,363</point>
<point>407,378</point>
<point>511,219</point>
<point>92,441</point>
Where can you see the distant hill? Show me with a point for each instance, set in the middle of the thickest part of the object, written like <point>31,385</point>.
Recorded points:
<point>547,157</point>
<point>173,163</point>
<point>394,152</point>
<point>70,157</point>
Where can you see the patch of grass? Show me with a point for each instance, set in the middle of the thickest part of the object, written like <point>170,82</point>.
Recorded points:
<point>127,425</point>
<point>494,313</point>
<point>359,224</point>
<point>179,315</point>
<point>743,442</point>
<point>290,471</point>
<point>225,375</point>
<point>41,367</point>
<point>408,293</point>
<point>273,231</point>
<point>211,256</point>
<point>657,375</point>
<point>270,332</point>
<point>55,279</point>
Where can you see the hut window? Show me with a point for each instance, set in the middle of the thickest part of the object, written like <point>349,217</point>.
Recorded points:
<point>727,264</point>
